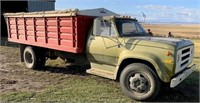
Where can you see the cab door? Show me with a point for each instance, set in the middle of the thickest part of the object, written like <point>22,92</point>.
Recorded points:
<point>102,47</point>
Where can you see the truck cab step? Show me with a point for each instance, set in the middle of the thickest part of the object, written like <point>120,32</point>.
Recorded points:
<point>102,73</point>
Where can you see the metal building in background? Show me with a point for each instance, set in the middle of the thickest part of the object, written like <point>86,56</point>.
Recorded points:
<point>41,5</point>
<point>22,6</point>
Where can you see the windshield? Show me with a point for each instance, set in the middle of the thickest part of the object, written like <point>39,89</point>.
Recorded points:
<point>128,27</point>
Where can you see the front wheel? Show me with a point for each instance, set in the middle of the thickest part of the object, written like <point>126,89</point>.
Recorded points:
<point>139,82</point>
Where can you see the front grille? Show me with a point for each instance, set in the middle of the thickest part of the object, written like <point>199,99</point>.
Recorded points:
<point>186,50</point>
<point>184,63</point>
<point>184,58</point>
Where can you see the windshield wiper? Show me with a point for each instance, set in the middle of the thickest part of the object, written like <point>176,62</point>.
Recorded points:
<point>134,34</point>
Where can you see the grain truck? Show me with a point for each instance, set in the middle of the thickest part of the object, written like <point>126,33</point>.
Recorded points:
<point>116,47</point>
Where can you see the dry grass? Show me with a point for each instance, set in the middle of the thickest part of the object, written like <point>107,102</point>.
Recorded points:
<point>178,30</point>
<point>197,49</point>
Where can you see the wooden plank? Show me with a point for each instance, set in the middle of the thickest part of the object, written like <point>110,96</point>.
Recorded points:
<point>25,33</point>
<point>8,27</point>
<point>73,32</point>
<point>16,28</point>
<point>45,29</point>
<point>58,30</point>
<point>34,29</point>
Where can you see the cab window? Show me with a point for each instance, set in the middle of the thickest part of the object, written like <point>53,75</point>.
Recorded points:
<point>129,28</point>
<point>104,28</point>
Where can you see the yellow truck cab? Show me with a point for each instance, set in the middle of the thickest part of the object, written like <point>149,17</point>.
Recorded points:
<point>118,47</point>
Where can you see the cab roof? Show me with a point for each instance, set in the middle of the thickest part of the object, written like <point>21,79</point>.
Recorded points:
<point>118,17</point>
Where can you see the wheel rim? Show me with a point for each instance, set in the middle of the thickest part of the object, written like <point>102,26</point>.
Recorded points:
<point>139,83</point>
<point>28,58</point>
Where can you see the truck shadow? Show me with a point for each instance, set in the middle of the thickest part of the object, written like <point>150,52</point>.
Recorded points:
<point>187,91</point>
<point>72,69</point>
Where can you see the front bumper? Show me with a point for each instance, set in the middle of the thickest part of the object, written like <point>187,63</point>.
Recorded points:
<point>179,78</point>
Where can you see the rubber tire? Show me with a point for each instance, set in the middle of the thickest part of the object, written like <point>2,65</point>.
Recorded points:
<point>38,61</point>
<point>152,77</point>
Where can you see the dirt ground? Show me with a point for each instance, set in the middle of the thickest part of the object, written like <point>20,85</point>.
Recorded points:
<point>15,77</point>
<point>12,78</point>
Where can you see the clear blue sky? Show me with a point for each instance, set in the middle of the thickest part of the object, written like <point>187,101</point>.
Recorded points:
<point>155,10</point>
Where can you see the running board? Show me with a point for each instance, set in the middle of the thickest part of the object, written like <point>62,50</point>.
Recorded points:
<point>102,73</point>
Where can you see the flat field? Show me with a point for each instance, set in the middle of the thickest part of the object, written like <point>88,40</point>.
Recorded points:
<point>58,82</point>
<point>178,30</point>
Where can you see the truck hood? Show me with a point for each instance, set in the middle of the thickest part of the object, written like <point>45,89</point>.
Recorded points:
<point>161,42</point>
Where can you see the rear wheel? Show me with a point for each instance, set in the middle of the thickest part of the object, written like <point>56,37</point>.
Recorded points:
<point>139,82</point>
<point>32,59</point>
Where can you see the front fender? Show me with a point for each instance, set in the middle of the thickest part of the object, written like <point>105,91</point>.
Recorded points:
<point>146,56</point>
